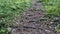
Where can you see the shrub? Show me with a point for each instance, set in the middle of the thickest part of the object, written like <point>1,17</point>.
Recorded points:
<point>9,9</point>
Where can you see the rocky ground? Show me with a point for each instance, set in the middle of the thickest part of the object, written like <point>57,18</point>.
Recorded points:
<point>34,21</point>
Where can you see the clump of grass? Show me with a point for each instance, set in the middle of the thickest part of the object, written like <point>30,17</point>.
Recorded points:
<point>52,7</point>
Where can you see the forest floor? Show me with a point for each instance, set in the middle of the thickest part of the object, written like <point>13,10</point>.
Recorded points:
<point>34,21</point>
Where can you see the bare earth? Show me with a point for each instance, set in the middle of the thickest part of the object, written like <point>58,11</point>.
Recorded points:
<point>33,21</point>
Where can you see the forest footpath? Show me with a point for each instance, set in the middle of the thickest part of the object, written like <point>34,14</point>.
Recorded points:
<point>34,21</point>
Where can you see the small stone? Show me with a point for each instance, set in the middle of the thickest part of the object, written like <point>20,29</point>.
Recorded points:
<point>14,30</point>
<point>50,27</point>
<point>47,31</point>
<point>51,22</point>
<point>29,14</point>
<point>17,23</point>
<point>9,29</point>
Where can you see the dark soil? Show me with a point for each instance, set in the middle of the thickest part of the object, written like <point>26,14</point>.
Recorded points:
<point>34,21</point>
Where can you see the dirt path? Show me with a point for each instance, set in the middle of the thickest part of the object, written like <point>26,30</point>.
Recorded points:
<point>33,21</point>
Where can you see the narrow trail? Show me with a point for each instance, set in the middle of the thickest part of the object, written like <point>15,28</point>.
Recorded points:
<point>33,21</point>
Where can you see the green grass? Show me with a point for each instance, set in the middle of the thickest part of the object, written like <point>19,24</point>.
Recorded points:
<point>9,10</point>
<point>52,7</point>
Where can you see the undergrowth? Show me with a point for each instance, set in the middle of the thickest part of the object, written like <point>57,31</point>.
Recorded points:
<point>52,8</point>
<point>9,9</point>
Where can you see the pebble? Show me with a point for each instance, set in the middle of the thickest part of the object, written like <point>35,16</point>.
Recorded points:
<point>14,30</point>
<point>47,31</point>
<point>29,14</point>
<point>9,29</point>
<point>51,22</point>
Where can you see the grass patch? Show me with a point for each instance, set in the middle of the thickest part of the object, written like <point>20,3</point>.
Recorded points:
<point>9,9</point>
<point>52,8</point>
